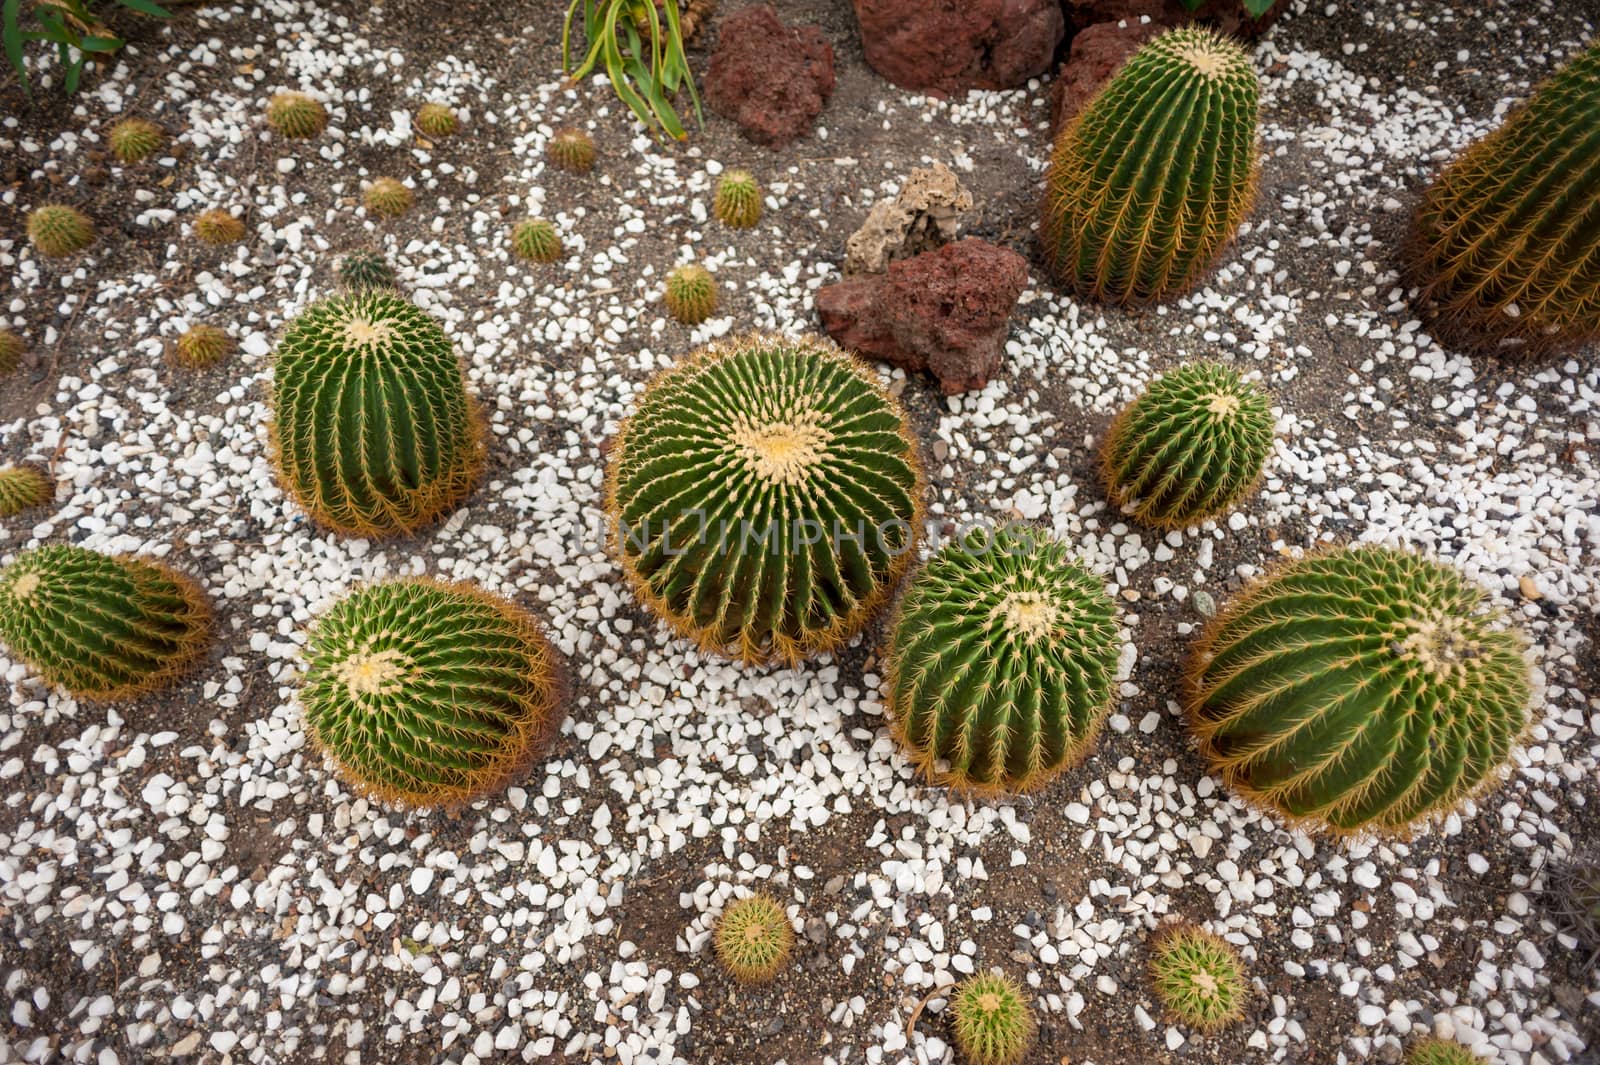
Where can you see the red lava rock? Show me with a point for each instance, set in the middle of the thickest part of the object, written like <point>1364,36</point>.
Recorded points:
<point>1098,52</point>
<point>772,79</point>
<point>956,45</point>
<point>945,311</point>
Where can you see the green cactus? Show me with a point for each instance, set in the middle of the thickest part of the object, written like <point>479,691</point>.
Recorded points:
<point>993,1023</point>
<point>737,202</point>
<point>1198,977</point>
<point>387,198</point>
<point>690,294</point>
<point>1190,448</point>
<point>374,432</point>
<point>23,488</point>
<point>1440,1052</point>
<point>536,240</point>
<point>12,349</point>
<point>201,346</point>
<point>296,115</point>
<point>57,230</point>
<point>1359,688</point>
<point>571,149</point>
<point>764,497</point>
<point>436,120</point>
<point>1151,179</point>
<point>217,227</point>
<point>429,694</point>
<point>133,140</point>
<point>101,628</point>
<point>365,268</point>
<point>1003,661</point>
<point>753,938</point>
<point>1506,245</point>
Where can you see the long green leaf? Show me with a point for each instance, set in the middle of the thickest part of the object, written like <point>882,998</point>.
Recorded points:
<point>146,7</point>
<point>11,36</point>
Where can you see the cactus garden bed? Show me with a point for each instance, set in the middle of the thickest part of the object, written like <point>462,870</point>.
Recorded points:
<point>231,868</point>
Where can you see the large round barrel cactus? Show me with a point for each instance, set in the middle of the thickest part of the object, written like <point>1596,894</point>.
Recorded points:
<point>101,627</point>
<point>764,497</point>
<point>374,432</point>
<point>430,694</point>
<point>1506,246</point>
<point>1003,661</point>
<point>1359,688</point>
<point>1151,179</point>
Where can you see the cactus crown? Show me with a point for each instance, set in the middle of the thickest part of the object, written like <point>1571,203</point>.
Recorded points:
<point>765,497</point>
<point>436,120</point>
<point>1440,1052</point>
<point>430,694</point>
<point>11,351</point>
<point>690,294</point>
<point>753,938</point>
<point>536,240</point>
<point>1359,687</point>
<point>1506,241</point>
<point>294,114</point>
<point>100,627</point>
<point>1003,661</point>
<point>56,230</point>
<point>387,198</point>
<point>1151,179</point>
<point>374,432</point>
<point>133,140</point>
<point>201,346</point>
<point>737,202</point>
<point>217,226</point>
<point>1198,977</point>
<point>365,268</point>
<point>23,488</point>
<point>1191,447</point>
<point>571,149</point>
<point>993,1023</point>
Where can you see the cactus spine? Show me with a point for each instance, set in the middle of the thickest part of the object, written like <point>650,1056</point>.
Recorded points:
<point>690,294</point>
<point>387,198</point>
<point>1440,1052</point>
<point>11,351</point>
<point>737,202</point>
<point>571,149</point>
<point>1151,179</point>
<point>57,230</point>
<point>536,240</point>
<point>296,115</point>
<point>23,488</point>
<point>218,227</point>
<point>1198,977</point>
<point>993,1023</point>
<point>201,346</point>
<point>753,938</point>
<point>436,120</point>
<point>365,268</point>
<point>133,140</point>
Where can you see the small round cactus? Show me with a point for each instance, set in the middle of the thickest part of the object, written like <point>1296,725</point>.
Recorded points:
<point>1198,977</point>
<point>387,198</point>
<point>133,140</point>
<point>690,294</point>
<point>1003,661</point>
<point>1359,688</point>
<point>436,120</point>
<point>365,268</point>
<point>12,349</point>
<point>100,627</point>
<point>1440,1052</point>
<point>571,149</point>
<point>374,432</point>
<point>1151,179</point>
<point>201,346</point>
<point>1573,893</point>
<point>764,497</point>
<point>993,1023</point>
<point>536,240</point>
<point>737,202</point>
<point>428,694</point>
<point>218,227</point>
<point>23,488</point>
<point>294,114</point>
<point>57,230</point>
<point>753,938</point>
<point>1190,448</point>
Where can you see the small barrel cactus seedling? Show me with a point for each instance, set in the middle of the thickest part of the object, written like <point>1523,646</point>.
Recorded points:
<point>101,627</point>
<point>1190,448</point>
<point>1440,1052</point>
<point>1151,179</point>
<point>737,202</point>
<point>218,227</point>
<point>201,346</point>
<point>571,149</point>
<point>294,114</point>
<point>753,938</point>
<point>1003,661</point>
<point>11,351</point>
<point>993,1023</point>
<point>436,120</point>
<point>387,198</point>
<point>365,268</point>
<point>23,488</point>
<point>690,294</point>
<point>1198,977</point>
<point>133,140</point>
<point>430,694</point>
<point>1506,245</point>
<point>57,230</point>
<point>764,497</point>
<point>374,432</point>
<point>536,240</point>
<point>1359,688</point>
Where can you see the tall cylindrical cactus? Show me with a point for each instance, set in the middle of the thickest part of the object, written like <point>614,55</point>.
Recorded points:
<point>1359,688</point>
<point>1151,179</point>
<point>374,432</point>
<point>101,627</point>
<point>1506,246</point>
